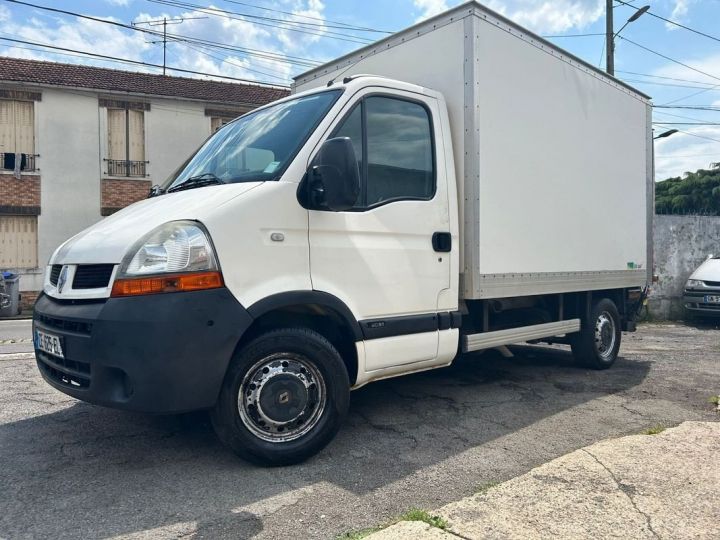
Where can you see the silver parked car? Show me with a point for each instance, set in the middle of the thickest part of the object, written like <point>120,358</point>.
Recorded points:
<point>702,290</point>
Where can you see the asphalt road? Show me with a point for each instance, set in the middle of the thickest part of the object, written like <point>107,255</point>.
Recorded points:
<point>72,470</point>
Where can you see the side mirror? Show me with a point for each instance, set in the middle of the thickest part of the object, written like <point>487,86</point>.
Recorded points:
<point>333,178</point>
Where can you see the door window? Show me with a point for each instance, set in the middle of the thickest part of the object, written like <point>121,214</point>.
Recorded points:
<point>393,142</point>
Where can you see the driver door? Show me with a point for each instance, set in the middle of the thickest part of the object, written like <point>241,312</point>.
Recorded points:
<point>379,257</point>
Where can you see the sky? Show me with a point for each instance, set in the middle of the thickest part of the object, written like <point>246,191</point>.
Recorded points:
<point>272,40</point>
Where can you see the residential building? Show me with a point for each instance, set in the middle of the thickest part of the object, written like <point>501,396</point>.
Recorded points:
<point>78,143</point>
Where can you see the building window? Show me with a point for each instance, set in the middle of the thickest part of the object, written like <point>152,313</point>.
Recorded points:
<point>126,142</point>
<point>18,242</point>
<point>17,135</point>
<point>216,122</point>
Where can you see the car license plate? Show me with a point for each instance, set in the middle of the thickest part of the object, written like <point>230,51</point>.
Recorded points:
<point>712,299</point>
<point>48,343</point>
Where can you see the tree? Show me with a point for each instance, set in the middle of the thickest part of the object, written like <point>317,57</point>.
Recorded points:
<point>695,193</point>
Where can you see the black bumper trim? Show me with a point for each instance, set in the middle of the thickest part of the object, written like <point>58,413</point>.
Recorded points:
<point>161,353</point>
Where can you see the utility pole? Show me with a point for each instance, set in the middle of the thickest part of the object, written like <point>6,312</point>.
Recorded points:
<point>164,42</point>
<point>609,38</point>
<point>164,22</point>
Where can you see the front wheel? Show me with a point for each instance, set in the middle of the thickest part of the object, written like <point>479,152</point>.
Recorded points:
<point>598,342</point>
<point>284,397</point>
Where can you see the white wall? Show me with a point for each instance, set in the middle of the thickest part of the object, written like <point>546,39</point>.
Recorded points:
<point>67,140</point>
<point>173,130</point>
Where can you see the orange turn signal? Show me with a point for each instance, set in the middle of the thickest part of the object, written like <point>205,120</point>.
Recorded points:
<point>195,281</point>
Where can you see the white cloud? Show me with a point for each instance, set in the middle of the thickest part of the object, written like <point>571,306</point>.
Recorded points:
<point>678,13</point>
<point>550,16</point>
<point>118,2</point>
<point>428,8</point>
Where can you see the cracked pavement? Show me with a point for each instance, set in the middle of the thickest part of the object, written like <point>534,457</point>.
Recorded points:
<point>73,470</point>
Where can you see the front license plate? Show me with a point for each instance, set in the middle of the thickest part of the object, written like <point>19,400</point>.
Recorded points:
<point>712,299</point>
<point>48,343</point>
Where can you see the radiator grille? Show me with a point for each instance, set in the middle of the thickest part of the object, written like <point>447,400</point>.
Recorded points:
<point>92,276</point>
<point>55,273</point>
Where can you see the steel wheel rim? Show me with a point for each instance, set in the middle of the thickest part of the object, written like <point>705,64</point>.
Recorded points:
<point>282,397</point>
<point>605,335</point>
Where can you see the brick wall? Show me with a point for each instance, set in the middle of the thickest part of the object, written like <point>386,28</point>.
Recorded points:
<point>117,194</point>
<point>19,196</point>
<point>27,300</point>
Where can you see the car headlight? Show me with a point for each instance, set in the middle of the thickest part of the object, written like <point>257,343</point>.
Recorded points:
<point>693,283</point>
<point>177,256</point>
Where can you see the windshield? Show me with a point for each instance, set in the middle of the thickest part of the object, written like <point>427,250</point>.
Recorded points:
<point>255,147</point>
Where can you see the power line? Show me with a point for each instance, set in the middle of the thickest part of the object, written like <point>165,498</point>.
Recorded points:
<point>217,12</point>
<point>699,136</point>
<point>127,60</point>
<point>692,107</point>
<point>304,62</point>
<point>674,22</point>
<point>668,58</point>
<point>353,27</point>
<point>572,35</point>
<point>688,123</point>
<point>662,77</point>
<point>229,62</point>
<point>656,83</point>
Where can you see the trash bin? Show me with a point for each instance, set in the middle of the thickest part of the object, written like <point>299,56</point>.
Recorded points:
<point>12,290</point>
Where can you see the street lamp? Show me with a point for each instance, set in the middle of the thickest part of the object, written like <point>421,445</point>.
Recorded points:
<point>665,134</point>
<point>610,34</point>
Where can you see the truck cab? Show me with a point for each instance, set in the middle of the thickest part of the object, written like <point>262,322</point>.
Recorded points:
<point>246,246</point>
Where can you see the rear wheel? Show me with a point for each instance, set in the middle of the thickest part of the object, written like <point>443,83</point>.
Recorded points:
<point>284,397</point>
<point>598,342</point>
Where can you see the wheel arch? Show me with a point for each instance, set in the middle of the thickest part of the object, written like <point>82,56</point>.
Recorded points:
<point>316,310</point>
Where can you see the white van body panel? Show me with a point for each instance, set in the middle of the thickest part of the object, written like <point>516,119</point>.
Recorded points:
<point>553,157</point>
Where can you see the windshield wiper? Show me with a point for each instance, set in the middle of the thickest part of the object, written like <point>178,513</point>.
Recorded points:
<point>200,180</point>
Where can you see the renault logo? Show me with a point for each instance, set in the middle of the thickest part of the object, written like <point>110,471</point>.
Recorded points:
<point>62,279</point>
<point>284,397</point>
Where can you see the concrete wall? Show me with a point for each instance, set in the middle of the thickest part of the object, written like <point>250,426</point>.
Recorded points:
<point>681,244</point>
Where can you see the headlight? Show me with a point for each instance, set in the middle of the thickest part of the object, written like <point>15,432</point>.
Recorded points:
<point>693,283</point>
<point>179,246</point>
<point>177,256</point>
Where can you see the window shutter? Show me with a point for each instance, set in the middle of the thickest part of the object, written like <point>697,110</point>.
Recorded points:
<point>116,134</point>
<point>24,127</point>
<point>18,242</point>
<point>136,126</point>
<point>7,126</point>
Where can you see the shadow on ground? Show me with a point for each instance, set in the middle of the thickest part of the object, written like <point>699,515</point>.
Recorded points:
<point>85,469</point>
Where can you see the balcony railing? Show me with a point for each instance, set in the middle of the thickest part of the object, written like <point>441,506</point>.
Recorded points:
<point>122,167</point>
<point>27,161</point>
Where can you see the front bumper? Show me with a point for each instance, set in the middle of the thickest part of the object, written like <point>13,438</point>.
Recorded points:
<point>159,353</point>
<point>694,301</point>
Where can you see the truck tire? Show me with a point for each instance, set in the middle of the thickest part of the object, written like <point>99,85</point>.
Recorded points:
<point>283,399</point>
<point>598,342</point>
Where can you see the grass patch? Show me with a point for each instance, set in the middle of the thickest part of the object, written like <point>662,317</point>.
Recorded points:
<point>484,488</point>
<point>715,400</point>
<point>654,430</point>
<point>414,514</point>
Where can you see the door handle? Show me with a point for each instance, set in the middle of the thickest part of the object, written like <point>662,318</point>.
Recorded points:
<point>442,242</point>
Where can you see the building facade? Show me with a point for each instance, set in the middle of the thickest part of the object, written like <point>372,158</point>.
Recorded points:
<point>78,143</point>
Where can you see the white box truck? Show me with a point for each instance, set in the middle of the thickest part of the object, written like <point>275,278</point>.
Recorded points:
<point>480,188</point>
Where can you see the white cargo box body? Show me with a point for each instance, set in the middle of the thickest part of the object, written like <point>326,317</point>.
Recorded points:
<point>553,157</point>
